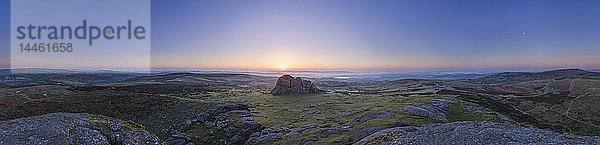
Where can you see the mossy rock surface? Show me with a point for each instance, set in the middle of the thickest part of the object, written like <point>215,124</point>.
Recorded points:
<point>74,128</point>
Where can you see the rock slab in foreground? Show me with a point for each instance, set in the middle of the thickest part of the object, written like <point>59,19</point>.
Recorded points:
<point>287,84</point>
<point>73,128</point>
<point>471,132</point>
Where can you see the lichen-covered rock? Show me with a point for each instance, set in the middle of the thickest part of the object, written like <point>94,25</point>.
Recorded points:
<point>371,116</point>
<point>73,128</point>
<point>287,84</point>
<point>435,108</point>
<point>417,111</point>
<point>227,124</point>
<point>178,139</point>
<point>471,132</point>
<point>272,133</point>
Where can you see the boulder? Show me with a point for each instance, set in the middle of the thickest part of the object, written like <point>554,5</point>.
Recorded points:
<point>74,128</point>
<point>473,132</point>
<point>178,139</point>
<point>287,84</point>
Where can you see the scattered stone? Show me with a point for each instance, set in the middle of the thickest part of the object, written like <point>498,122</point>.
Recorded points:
<point>371,116</point>
<point>276,129</point>
<point>256,134</point>
<point>263,138</point>
<point>229,107</point>
<point>417,111</point>
<point>307,139</point>
<point>362,109</point>
<point>234,121</point>
<point>342,113</point>
<point>237,139</point>
<point>315,112</point>
<point>247,119</point>
<point>178,139</point>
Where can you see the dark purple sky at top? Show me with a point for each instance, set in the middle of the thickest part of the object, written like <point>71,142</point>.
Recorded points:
<point>360,34</point>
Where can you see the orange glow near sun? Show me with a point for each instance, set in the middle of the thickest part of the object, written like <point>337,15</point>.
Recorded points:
<point>283,66</point>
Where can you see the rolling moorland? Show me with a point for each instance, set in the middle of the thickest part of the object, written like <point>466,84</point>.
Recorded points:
<point>105,107</point>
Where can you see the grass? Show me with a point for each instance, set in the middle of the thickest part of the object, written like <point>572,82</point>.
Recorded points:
<point>199,132</point>
<point>457,113</point>
<point>338,109</point>
<point>130,126</point>
<point>160,109</point>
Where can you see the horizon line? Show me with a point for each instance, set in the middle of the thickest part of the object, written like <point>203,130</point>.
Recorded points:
<point>315,70</point>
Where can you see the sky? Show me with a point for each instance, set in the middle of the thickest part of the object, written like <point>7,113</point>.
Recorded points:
<point>88,53</point>
<point>4,34</point>
<point>360,34</point>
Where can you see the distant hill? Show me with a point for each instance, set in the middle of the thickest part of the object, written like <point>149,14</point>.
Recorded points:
<point>207,79</point>
<point>4,71</point>
<point>39,70</point>
<point>65,78</point>
<point>512,77</point>
<point>52,70</point>
<point>3,85</point>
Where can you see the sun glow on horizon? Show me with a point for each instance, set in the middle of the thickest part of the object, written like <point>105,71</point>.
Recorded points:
<point>283,66</point>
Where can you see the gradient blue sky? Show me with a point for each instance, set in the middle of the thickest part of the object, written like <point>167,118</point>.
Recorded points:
<point>382,34</point>
<point>4,34</point>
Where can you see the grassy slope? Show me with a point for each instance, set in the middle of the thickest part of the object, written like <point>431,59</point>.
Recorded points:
<point>337,110</point>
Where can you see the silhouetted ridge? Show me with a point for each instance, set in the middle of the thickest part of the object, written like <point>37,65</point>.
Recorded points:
<point>512,77</point>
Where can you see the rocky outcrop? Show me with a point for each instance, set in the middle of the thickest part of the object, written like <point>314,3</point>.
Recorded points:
<point>272,133</point>
<point>287,84</point>
<point>435,108</point>
<point>73,128</point>
<point>471,132</point>
<point>227,124</point>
